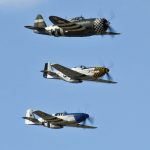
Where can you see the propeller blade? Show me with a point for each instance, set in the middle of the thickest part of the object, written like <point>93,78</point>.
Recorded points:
<point>84,122</point>
<point>111,29</point>
<point>109,77</point>
<point>91,120</point>
<point>109,14</point>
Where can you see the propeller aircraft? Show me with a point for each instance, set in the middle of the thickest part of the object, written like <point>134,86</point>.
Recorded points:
<point>75,27</point>
<point>76,74</point>
<point>58,120</point>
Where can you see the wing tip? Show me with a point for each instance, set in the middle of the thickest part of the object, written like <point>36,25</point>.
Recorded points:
<point>28,27</point>
<point>113,82</point>
<point>94,127</point>
<point>112,33</point>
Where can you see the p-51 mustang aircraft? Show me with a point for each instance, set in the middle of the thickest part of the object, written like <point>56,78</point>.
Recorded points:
<point>58,120</point>
<point>76,74</point>
<point>75,27</point>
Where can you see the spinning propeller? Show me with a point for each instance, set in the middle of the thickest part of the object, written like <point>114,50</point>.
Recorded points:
<point>110,28</point>
<point>110,17</point>
<point>90,119</point>
<point>108,76</point>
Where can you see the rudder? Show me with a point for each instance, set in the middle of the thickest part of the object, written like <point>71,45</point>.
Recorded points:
<point>29,114</point>
<point>47,71</point>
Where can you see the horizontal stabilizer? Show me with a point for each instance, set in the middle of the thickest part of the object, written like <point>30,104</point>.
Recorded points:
<point>45,73</point>
<point>35,28</point>
<point>31,121</point>
<point>77,125</point>
<point>48,71</point>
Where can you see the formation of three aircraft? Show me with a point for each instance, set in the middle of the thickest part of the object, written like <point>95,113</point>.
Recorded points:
<point>75,27</point>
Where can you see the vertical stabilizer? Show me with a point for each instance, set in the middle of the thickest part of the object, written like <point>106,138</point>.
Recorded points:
<point>30,115</point>
<point>48,70</point>
<point>39,22</point>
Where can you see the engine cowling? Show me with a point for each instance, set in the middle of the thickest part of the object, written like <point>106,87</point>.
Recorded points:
<point>100,25</point>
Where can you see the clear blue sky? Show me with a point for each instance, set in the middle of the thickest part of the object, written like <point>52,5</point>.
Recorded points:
<point>121,111</point>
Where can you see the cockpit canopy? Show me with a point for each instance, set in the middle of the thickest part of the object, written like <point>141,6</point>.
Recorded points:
<point>83,67</point>
<point>61,114</point>
<point>77,18</point>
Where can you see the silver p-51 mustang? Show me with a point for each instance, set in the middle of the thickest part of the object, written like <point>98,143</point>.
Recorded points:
<point>76,74</point>
<point>58,120</point>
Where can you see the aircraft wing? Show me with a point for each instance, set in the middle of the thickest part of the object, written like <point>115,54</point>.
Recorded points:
<point>48,117</point>
<point>57,20</point>
<point>68,72</point>
<point>111,33</point>
<point>77,125</point>
<point>65,24</point>
<point>90,78</point>
<point>35,28</point>
<point>87,78</point>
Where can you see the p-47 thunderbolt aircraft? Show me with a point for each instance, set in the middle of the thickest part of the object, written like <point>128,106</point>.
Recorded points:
<point>58,120</point>
<point>76,74</point>
<point>75,27</point>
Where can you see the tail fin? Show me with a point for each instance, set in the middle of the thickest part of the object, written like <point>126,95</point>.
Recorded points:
<point>48,71</point>
<point>30,118</point>
<point>39,22</point>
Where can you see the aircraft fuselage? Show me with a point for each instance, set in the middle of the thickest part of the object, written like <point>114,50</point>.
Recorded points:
<point>89,27</point>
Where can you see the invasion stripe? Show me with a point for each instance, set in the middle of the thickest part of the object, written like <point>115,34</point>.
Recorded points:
<point>39,20</point>
<point>57,120</point>
<point>76,30</point>
<point>66,24</point>
<point>52,119</point>
<point>73,27</point>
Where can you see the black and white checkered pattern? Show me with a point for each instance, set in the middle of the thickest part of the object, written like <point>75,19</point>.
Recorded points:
<point>99,26</point>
